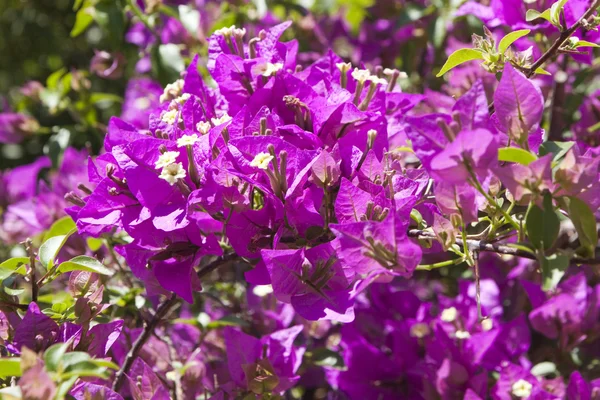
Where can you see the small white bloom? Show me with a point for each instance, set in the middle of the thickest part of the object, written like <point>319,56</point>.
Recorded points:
<point>390,72</point>
<point>168,157</point>
<point>203,127</point>
<point>376,80</point>
<point>172,172</point>
<point>271,69</point>
<point>361,75</point>
<point>522,388</point>
<point>239,32</point>
<point>187,140</point>
<point>179,101</point>
<point>172,90</point>
<point>225,31</point>
<point>221,120</point>
<point>262,290</point>
<point>462,335</point>
<point>170,117</point>
<point>343,67</point>
<point>419,330</point>
<point>449,314</point>
<point>262,160</point>
<point>487,324</point>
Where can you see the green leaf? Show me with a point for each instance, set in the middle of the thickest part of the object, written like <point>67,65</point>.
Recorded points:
<point>15,265</point>
<point>509,39</point>
<point>50,248</point>
<point>534,14</point>
<point>585,43</point>
<point>84,263</point>
<point>96,98</point>
<point>10,367</point>
<point>514,154</point>
<point>585,223</point>
<point>54,354</point>
<point>94,244</point>
<point>541,71</point>
<point>324,357</point>
<point>83,19</point>
<point>229,320</point>
<point>61,227</point>
<point>459,57</point>
<point>54,78</point>
<point>13,292</point>
<point>542,224</point>
<point>553,269</point>
<point>71,360</point>
<point>559,149</point>
<point>105,364</point>
<point>63,389</point>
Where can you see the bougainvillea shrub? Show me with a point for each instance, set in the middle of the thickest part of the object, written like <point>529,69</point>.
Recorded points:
<point>280,200</point>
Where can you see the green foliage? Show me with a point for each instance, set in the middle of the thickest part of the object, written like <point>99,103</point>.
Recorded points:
<point>515,154</point>
<point>459,57</point>
<point>543,224</point>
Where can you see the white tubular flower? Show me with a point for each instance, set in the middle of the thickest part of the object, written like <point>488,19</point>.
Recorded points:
<point>170,117</point>
<point>179,101</point>
<point>167,158</point>
<point>203,127</point>
<point>172,90</point>
<point>522,388</point>
<point>172,172</point>
<point>487,324</point>
<point>449,314</point>
<point>361,75</point>
<point>262,290</point>
<point>238,32</point>
<point>221,120</point>
<point>419,330</point>
<point>378,81</point>
<point>187,140</point>
<point>391,72</point>
<point>462,335</point>
<point>262,160</point>
<point>343,67</point>
<point>271,69</point>
<point>225,31</point>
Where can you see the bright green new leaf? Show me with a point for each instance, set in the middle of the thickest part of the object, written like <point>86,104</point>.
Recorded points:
<point>514,154</point>
<point>15,265</point>
<point>543,225</point>
<point>534,14</point>
<point>585,223</point>
<point>553,269</point>
<point>54,354</point>
<point>83,20</point>
<point>459,57</point>
<point>541,71</point>
<point>585,43</point>
<point>50,248</point>
<point>84,263</point>
<point>61,227</point>
<point>10,367</point>
<point>509,39</point>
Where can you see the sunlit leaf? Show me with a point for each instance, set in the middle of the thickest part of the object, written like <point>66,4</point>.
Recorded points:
<point>459,57</point>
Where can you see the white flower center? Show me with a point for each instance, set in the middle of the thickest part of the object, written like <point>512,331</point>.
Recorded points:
<point>142,103</point>
<point>262,160</point>
<point>172,90</point>
<point>221,120</point>
<point>225,31</point>
<point>522,388</point>
<point>343,67</point>
<point>170,117</point>
<point>203,127</point>
<point>461,335</point>
<point>262,290</point>
<point>487,324</point>
<point>187,140</point>
<point>361,75</point>
<point>172,172</point>
<point>449,314</point>
<point>271,69</point>
<point>419,330</point>
<point>168,157</point>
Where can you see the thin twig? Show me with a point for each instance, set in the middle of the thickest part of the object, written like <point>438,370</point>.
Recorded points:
<point>489,247</point>
<point>162,310</point>
<point>564,36</point>
<point>34,284</point>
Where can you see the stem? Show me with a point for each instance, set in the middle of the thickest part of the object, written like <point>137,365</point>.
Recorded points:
<point>565,35</point>
<point>429,267</point>
<point>490,247</point>
<point>161,311</point>
<point>490,200</point>
<point>34,284</point>
<point>142,17</point>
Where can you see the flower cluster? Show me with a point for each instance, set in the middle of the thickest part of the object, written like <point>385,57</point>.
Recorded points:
<point>331,233</point>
